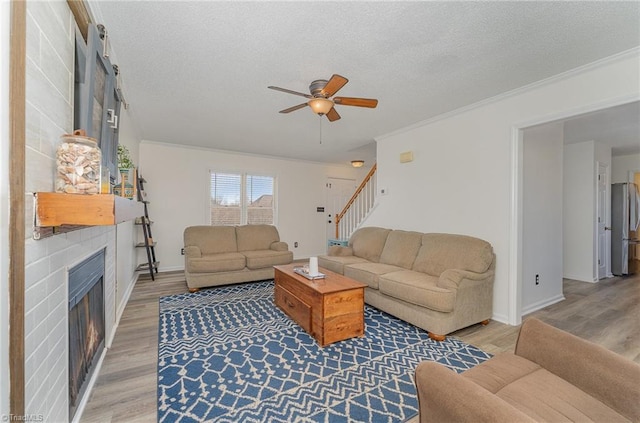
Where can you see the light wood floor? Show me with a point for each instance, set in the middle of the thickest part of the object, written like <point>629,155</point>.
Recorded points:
<point>606,312</point>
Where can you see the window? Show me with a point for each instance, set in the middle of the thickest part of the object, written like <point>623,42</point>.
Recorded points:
<point>240,198</point>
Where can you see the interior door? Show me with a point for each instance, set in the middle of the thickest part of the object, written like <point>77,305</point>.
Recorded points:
<point>602,236</point>
<point>339,192</point>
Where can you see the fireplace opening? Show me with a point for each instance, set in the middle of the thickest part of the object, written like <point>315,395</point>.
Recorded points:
<point>86,325</point>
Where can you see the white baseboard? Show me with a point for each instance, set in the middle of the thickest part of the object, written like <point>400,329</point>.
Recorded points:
<point>501,318</point>
<point>542,304</point>
<point>580,278</point>
<point>125,300</point>
<point>87,392</point>
<point>169,269</point>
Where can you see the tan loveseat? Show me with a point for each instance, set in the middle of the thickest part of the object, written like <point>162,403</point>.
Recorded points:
<point>552,377</point>
<point>220,255</point>
<point>438,282</point>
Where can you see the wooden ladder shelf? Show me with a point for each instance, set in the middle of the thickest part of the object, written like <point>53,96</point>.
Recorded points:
<point>148,244</point>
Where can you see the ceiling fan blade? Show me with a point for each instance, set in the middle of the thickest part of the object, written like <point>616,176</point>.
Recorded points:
<point>353,101</point>
<point>294,108</point>
<point>333,115</point>
<point>284,90</point>
<point>335,83</point>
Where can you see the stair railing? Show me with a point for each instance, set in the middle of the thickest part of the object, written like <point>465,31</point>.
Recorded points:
<point>358,207</point>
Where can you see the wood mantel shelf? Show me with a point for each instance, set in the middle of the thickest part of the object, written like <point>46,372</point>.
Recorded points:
<point>54,209</point>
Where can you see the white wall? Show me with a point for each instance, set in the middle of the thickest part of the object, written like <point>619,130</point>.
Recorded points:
<point>578,210</point>
<point>466,174</point>
<point>5,26</point>
<point>126,233</point>
<point>542,216</point>
<point>580,197</point>
<point>178,191</point>
<point>622,165</point>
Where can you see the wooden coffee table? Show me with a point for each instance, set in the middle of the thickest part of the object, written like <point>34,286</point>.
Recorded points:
<point>329,309</point>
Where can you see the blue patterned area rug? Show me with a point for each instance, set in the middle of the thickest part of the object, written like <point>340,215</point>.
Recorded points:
<point>230,355</point>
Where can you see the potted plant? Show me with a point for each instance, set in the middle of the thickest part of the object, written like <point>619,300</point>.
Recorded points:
<point>124,158</point>
<point>125,164</point>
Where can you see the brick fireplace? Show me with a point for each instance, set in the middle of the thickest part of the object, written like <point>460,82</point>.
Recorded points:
<point>47,321</point>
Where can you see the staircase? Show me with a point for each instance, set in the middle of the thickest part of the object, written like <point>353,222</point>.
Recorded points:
<point>358,207</point>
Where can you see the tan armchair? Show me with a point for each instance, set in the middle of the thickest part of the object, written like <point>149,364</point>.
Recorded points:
<point>552,377</point>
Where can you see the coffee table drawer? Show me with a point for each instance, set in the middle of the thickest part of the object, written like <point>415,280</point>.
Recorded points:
<point>294,307</point>
<point>343,327</point>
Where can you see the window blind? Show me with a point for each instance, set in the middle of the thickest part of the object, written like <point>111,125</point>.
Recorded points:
<point>238,199</point>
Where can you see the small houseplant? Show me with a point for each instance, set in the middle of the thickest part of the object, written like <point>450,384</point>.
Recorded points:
<point>125,164</point>
<point>124,158</point>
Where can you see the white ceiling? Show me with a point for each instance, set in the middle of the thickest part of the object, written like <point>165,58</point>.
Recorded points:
<point>617,126</point>
<point>196,73</point>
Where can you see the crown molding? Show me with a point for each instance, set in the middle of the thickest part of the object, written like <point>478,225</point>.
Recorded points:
<point>624,55</point>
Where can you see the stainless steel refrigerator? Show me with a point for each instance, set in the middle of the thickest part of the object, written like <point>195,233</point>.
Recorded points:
<point>625,218</point>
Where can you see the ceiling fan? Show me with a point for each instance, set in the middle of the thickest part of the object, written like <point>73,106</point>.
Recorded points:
<point>320,102</point>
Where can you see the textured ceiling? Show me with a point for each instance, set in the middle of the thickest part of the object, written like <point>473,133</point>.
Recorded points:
<point>617,126</point>
<point>196,73</point>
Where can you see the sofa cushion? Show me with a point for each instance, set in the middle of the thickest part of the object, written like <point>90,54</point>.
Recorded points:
<point>256,237</point>
<point>221,262</point>
<point>336,263</point>
<point>368,242</point>
<point>401,248</point>
<point>266,258</point>
<point>417,288</point>
<point>368,273</point>
<point>545,397</point>
<point>211,239</point>
<point>601,373</point>
<point>440,252</point>
<point>500,371</point>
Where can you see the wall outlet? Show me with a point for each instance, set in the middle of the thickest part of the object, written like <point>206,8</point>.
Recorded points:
<point>537,279</point>
<point>295,244</point>
<point>182,251</point>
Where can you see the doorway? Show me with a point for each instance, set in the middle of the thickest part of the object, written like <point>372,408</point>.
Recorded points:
<point>592,121</point>
<point>339,192</point>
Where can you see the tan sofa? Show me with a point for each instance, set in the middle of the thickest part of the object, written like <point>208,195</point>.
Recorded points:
<point>220,255</point>
<point>552,377</point>
<point>438,282</point>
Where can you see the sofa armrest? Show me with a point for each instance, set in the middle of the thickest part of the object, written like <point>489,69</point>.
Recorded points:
<point>339,250</point>
<point>445,396</point>
<point>451,278</point>
<point>603,374</point>
<point>279,246</point>
<point>192,252</point>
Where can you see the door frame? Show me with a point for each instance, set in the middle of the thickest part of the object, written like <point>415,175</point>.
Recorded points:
<point>607,221</point>
<point>517,195</point>
<point>327,188</point>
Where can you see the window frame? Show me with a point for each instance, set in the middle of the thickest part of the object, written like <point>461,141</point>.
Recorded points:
<point>244,205</point>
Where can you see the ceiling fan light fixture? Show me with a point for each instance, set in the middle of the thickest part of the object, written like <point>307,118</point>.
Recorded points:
<point>357,163</point>
<point>320,105</point>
